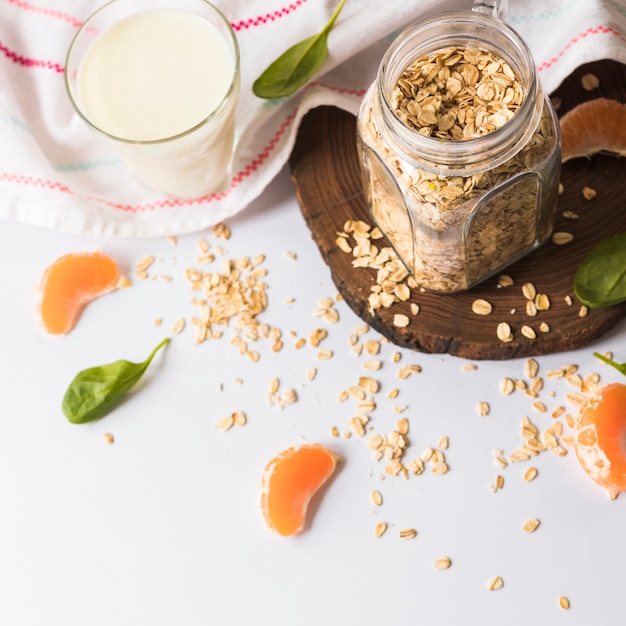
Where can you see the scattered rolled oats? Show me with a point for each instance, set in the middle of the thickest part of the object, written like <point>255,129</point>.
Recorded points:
<point>530,525</point>
<point>317,336</point>
<point>178,326</point>
<point>590,82</point>
<point>231,297</point>
<point>400,320</point>
<point>531,368</point>
<point>289,396</point>
<point>507,386</point>
<point>589,193</point>
<point>529,291</point>
<point>427,455</point>
<point>482,307</point>
<point>500,461</point>
<point>372,347</point>
<point>483,408</point>
<point>366,406</point>
<point>357,393</point>
<point>143,265</point>
<point>108,438</point>
<point>535,388</point>
<point>342,243</point>
<point>403,426</point>
<point>408,533</point>
<point>520,455</point>
<point>561,238</point>
<point>495,583</point>
<point>376,497</point>
<point>357,424</point>
<point>564,602</point>
<point>220,230</point>
<point>530,474</point>
<point>372,365</point>
<point>326,311</point>
<point>442,563</point>
<point>369,385</point>
<point>407,370</point>
<point>225,423</point>
<point>441,468</point>
<point>381,529</point>
<point>504,332</point>
<point>239,418</point>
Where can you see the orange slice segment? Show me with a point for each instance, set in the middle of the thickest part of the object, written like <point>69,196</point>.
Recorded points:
<point>289,482</point>
<point>69,284</point>
<point>600,437</point>
<point>598,125</point>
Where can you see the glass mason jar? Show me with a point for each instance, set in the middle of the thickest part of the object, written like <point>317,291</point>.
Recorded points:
<point>460,201</point>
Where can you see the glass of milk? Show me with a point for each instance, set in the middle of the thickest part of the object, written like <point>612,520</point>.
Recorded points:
<point>159,81</point>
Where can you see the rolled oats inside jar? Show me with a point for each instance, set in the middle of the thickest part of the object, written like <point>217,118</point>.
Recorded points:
<point>460,150</point>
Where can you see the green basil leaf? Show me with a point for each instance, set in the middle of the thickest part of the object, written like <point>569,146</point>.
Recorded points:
<point>292,69</point>
<point>620,367</point>
<point>96,391</point>
<point>600,280</point>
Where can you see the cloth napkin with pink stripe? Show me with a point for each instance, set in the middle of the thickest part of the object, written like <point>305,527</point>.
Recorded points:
<point>56,174</point>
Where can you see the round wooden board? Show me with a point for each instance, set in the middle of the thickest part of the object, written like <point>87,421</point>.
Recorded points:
<point>326,175</point>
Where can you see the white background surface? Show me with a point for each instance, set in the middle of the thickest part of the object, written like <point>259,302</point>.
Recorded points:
<point>162,527</point>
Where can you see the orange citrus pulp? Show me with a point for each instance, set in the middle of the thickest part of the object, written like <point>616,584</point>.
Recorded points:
<point>69,284</point>
<point>289,482</point>
<point>600,437</point>
<point>598,125</point>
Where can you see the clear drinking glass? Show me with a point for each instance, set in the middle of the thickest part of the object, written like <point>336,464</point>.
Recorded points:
<point>195,159</point>
<point>458,211</point>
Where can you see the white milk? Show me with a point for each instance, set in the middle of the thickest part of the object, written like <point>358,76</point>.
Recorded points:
<point>152,76</point>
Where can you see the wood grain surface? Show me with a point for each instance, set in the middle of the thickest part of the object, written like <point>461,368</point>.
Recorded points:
<point>326,176</point>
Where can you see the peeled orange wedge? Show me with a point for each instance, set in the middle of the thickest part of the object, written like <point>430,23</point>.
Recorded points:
<point>600,437</point>
<point>598,125</point>
<point>69,284</point>
<point>289,482</point>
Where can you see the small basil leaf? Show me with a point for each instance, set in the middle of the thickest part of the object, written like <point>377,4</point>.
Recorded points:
<point>292,69</point>
<point>600,280</point>
<point>96,391</point>
<point>620,367</point>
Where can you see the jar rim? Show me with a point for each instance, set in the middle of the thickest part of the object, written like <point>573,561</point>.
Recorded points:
<point>459,157</point>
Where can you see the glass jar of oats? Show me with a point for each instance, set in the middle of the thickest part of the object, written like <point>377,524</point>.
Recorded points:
<point>460,149</point>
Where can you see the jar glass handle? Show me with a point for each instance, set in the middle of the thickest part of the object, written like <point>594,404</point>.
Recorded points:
<point>495,8</point>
